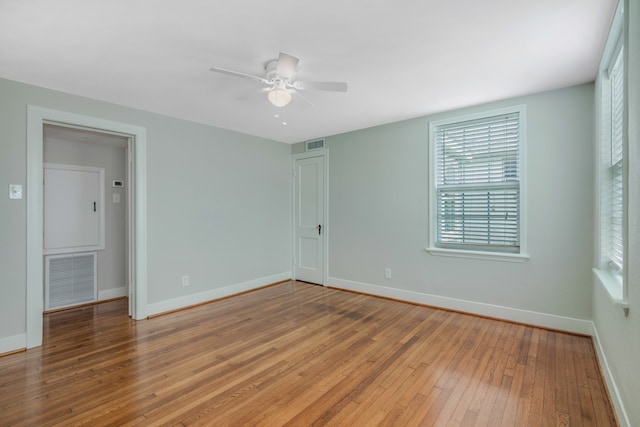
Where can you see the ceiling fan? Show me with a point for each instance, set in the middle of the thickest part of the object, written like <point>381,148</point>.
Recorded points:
<point>279,80</point>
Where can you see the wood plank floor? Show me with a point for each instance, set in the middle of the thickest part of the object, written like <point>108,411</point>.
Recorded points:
<point>300,355</point>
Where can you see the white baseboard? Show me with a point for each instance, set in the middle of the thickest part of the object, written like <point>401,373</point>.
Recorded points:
<point>534,318</point>
<point>13,343</point>
<point>112,293</point>
<point>199,298</point>
<point>614,392</point>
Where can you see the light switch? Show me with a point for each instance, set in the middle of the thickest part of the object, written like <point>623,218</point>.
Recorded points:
<point>15,191</point>
<point>116,198</point>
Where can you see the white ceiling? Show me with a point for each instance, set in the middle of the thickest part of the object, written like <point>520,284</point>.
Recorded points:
<point>401,59</point>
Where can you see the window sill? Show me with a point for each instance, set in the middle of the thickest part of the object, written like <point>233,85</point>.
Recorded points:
<point>478,255</point>
<point>614,287</point>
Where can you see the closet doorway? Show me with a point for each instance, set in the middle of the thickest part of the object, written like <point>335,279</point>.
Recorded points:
<point>38,119</point>
<point>86,216</point>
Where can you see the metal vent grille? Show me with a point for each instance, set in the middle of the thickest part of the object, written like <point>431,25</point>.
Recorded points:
<point>318,144</point>
<point>70,279</point>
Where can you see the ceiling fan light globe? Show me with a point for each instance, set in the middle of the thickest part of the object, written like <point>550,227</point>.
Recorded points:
<point>279,97</point>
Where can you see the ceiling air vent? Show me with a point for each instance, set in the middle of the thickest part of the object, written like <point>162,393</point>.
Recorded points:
<point>317,144</point>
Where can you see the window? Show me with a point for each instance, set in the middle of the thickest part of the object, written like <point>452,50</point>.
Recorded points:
<point>476,183</point>
<point>615,178</point>
<point>612,121</point>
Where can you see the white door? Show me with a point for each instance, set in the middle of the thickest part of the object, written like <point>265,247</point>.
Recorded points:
<point>72,209</point>
<point>309,220</point>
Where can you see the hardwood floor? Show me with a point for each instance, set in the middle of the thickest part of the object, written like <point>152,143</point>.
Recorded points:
<point>300,355</point>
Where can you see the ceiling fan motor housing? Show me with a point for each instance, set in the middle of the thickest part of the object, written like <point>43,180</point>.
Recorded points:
<point>271,71</point>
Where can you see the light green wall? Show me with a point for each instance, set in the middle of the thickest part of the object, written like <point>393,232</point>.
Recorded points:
<point>297,148</point>
<point>218,202</point>
<point>12,212</point>
<point>379,204</point>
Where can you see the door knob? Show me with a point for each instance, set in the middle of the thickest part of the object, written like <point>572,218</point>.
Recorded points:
<point>319,228</point>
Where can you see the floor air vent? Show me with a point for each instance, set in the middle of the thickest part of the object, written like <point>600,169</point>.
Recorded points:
<point>70,279</point>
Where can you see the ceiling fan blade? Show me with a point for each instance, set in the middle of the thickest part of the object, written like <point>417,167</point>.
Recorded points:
<point>252,94</point>
<point>328,86</point>
<point>287,65</point>
<point>239,74</point>
<point>306,103</point>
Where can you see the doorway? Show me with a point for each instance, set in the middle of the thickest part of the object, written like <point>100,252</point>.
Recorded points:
<point>310,217</point>
<point>85,211</point>
<point>37,118</point>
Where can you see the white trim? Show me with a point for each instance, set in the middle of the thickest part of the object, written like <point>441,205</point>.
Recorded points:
<point>139,225</point>
<point>206,296</point>
<point>112,293</point>
<point>432,232</point>
<point>534,318</point>
<point>324,153</point>
<point>614,392</point>
<point>478,255</point>
<point>131,270</point>
<point>101,219</point>
<point>613,287</point>
<point>13,343</point>
<point>36,117</point>
<point>326,215</point>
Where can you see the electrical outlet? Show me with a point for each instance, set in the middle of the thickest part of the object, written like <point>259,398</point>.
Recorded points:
<point>387,273</point>
<point>185,280</point>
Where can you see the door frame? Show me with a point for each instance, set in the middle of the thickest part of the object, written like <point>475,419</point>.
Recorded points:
<point>324,153</point>
<point>37,117</point>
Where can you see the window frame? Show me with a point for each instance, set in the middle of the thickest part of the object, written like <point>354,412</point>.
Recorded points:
<point>433,249</point>
<point>606,272</point>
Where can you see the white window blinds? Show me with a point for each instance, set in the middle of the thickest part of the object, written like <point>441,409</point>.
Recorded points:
<point>478,184</point>
<point>616,169</point>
